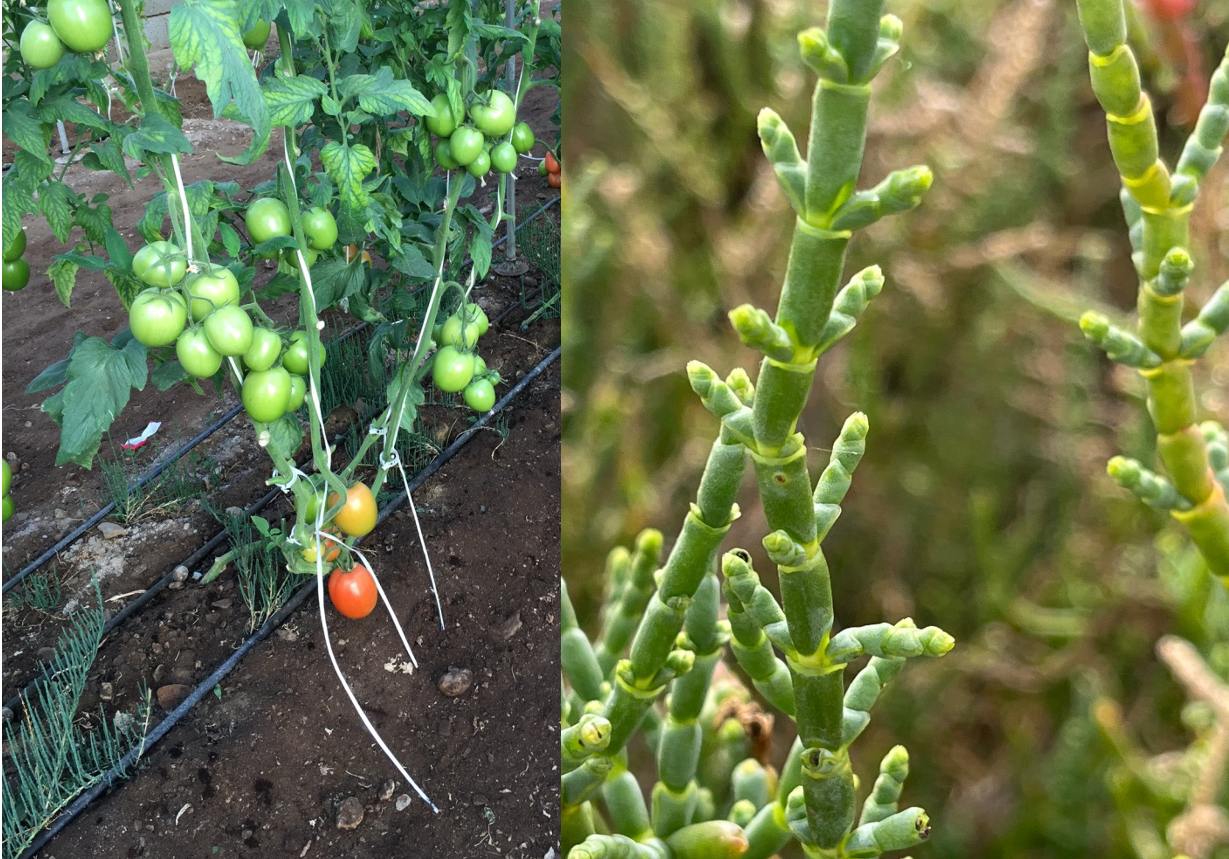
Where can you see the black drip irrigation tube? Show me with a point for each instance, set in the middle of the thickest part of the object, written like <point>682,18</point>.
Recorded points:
<point>114,775</point>
<point>103,512</point>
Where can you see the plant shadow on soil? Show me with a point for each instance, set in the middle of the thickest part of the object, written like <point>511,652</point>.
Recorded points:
<point>263,767</point>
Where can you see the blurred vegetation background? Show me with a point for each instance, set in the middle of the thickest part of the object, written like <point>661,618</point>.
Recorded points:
<point>1054,729</point>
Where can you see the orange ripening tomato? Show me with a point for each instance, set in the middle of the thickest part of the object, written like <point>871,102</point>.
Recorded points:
<point>353,591</point>
<point>352,251</point>
<point>552,163</point>
<point>555,180</point>
<point>332,550</point>
<point>358,517</point>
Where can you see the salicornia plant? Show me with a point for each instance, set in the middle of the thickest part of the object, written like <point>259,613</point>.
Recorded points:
<point>1158,204</point>
<point>711,798</point>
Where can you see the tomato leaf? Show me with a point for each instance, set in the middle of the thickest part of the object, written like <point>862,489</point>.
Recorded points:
<point>117,249</point>
<point>168,374</point>
<point>155,135</point>
<point>413,264</point>
<point>293,101</point>
<point>56,201</point>
<point>100,380</point>
<point>27,131</point>
<point>52,377</point>
<point>230,240</point>
<point>347,165</point>
<point>95,221</point>
<point>63,274</point>
<point>382,95</point>
<point>205,38</point>
<point>150,224</point>
<point>286,433</point>
<point>65,108</point>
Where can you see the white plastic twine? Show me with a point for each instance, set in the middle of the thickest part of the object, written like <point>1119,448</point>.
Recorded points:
<point>375,735</point>
<point>395,462</point>
<point>379,589</point>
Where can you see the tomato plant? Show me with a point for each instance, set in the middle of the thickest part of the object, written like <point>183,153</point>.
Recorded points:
<point>357,517</point>
<point>266,394</point>
<point>157,317</point>
<point>229,330</point>
<point>41,48</point>
<point>84,26</point>
<point>16,274</point>
<point>353,591</point>
<point>267,219</point>
<point>160,264</point>
<point>196,354</point>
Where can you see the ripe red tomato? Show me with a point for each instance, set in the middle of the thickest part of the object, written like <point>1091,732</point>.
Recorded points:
<point>555,180</point>
<point>552,163</point>
<point>1170,10</point>
<point>353,591</point>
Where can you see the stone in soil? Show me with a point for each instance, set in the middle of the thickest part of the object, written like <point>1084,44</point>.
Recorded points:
<point>172,695</point>
<point>456,681</point>
<point>350,813</point>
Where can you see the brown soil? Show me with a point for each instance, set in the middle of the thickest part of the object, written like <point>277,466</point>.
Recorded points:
<point>263,768</point>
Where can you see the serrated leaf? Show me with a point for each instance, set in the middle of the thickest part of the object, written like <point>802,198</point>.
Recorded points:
<point>63,274</point>
<point>331,105</point>
<point>117,249</point>
<point>111,158</point>
<point>100,381</point>
<point>347,165</point>
<point>200,199</point>
<point>205,38</point>
<point>95,221</point>
<point>167,375</point>
<point>150,224</point>
<point>336,279</point>
<point>65,108</point>
<point>230,240</point>
<point>56,201</point>
<point>127,285</point>
<point>282,284</point>
<point>382,95</point>
<point>70,69</point>
<point>302,17</point>
<point>286,433</point>
<point>413,264</point>
<point>30,133</point>
<point>12,205</point>
<point>155,135</point>
<point>292,101</point>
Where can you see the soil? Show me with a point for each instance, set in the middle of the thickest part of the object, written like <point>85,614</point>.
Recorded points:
<point>264,767</point>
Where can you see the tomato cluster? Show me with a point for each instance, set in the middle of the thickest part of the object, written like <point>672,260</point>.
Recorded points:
<point>456,365</point>
<point>16,271</point>
<point>84,26</point>
<point>476,147</point>
<point>352,591</point>
<point>552,169</point>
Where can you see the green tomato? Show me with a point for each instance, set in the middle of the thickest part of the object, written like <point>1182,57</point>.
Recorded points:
<point>477,315</point>
<point>41,48</point>
<point>320,227</point>
<point>16,274</point>
<point>452,369</point>
<point>84,26</point>
<point>17,248</point>
<point>160,264</point>
<point>198,358</point>
<point>264,351</point>
<point>479,366</point>
<point>480,166</point>
<point>459,334</point>
<point>496,117</point>
<point>6,477</point>
<point>522,137</point>
<point>229,330</point>
<point>295,358</point>
<point>445,122</point>
<point>480,395</point>
<point>157,317</point>
<point>267,218</point>
<point>290,260</point>
<point>503,157</point>
<point>208,292</point>
<point>257,37</point>
<point>298,393</point>
<point>266,394</point>
<point>542,170</point>
<point>465,144</point>
<point>6,508</point>
<point>443,156</point>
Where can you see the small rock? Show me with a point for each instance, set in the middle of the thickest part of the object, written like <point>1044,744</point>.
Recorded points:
<point>106,692</point>
<point>174,586</point>
<point>180,574</point>
<point>235,511</point>
<point>510,627</point>
<point>223,604</point>
<point>110,530</point>
<point>478,799</point>
<point>159,672</point>
<point>349,813</point>
<point>456,681</point>
<point>172,695</point>
<point>386,790</point>
<point>403,802</point>
<point>45,654</point>
<point>61,514</point>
